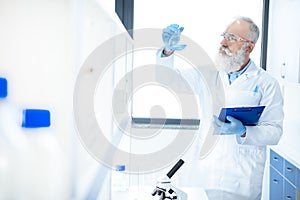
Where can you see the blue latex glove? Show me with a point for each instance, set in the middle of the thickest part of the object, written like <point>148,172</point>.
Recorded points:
<point>171,37</point>
<point>234,126</point>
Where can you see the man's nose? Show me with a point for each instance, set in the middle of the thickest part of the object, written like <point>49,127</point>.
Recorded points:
<point>224,42</point>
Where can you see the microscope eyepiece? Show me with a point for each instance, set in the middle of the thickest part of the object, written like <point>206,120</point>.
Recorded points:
<point>175,168</point>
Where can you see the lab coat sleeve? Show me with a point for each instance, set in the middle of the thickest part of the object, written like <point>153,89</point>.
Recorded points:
<point>269,129</point>
<point>188,73</point>
<point>167,61</point>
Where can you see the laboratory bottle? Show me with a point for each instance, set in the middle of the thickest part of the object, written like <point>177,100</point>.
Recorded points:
<point>32,164</point>
<point>50,162</point>
<point>16,158</point>
<point>119,179</point>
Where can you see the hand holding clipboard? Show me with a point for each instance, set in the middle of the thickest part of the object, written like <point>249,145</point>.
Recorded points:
<point>249,116</point>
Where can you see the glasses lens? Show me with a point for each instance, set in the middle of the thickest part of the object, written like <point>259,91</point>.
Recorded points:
<point>231,38</point>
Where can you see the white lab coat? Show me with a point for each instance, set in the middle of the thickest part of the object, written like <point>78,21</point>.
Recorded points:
<point>235,167</point>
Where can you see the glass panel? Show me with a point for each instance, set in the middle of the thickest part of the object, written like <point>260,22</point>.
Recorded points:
<point>203,22</point>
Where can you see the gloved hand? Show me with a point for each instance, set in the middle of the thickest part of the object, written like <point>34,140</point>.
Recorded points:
<point>171,37</point>
<point>234,126</point>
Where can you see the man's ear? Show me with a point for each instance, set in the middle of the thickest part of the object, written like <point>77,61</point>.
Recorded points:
<point>250,47</point>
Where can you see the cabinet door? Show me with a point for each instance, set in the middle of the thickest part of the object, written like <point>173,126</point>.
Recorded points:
<point>289,191</point>
<point>276,161</point>
<point>283,44</point>
<point>276,184</point>
<point>290,172</point>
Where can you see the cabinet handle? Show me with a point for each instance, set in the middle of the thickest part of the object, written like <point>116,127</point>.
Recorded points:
<point>275,159</point>
<point>289,169</point>
<point>275,181</point>
<point>288,198</point>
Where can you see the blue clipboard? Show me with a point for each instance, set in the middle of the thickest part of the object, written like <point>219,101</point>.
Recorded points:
<point>249,116</point>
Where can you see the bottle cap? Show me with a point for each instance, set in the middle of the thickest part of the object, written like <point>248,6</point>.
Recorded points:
<point>36,118</point>
<point>3,87</point>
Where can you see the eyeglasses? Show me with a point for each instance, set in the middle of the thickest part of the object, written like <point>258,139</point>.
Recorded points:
<point>230,37</point>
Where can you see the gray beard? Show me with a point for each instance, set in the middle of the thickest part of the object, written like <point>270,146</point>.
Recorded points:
<point>230,62</point>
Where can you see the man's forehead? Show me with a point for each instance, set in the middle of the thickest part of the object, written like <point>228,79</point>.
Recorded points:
<point>239,27</point>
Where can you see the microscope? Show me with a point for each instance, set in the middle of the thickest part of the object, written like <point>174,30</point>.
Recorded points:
<point>165,190</point>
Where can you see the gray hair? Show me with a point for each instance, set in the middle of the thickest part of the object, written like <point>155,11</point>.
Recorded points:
<point>253,29</point>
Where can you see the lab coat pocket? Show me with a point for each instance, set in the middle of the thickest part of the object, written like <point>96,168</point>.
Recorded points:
<point>238,98</point>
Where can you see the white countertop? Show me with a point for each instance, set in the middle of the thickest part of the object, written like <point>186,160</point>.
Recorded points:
<point>289,152</point>
<point>144,193</point>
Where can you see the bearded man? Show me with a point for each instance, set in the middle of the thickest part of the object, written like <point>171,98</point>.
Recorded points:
<point>235,167</point>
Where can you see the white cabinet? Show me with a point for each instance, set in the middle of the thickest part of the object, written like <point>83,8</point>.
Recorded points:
<point>283,56</point>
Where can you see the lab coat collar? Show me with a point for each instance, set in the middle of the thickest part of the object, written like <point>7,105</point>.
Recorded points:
<point>252,70</point>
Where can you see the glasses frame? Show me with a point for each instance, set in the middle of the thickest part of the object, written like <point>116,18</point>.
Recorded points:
<point>230,37</point>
